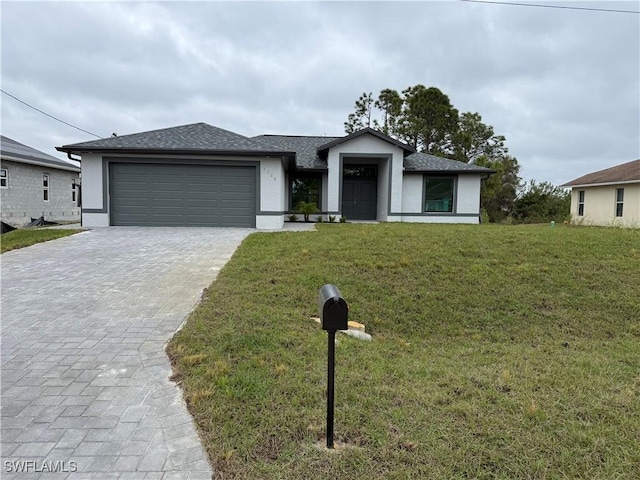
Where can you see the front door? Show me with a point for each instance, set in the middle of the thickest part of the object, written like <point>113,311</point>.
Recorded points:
<point>359,192</point>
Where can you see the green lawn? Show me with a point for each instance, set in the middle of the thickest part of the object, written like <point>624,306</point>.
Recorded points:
<point>498,352</point>
<point>25,237</point>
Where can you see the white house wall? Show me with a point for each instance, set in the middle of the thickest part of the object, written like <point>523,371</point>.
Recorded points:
<point>92,196</point>
<point>467,202</point>
<point>412,186</point>
<point>94,211</point>
<point>468,194</point>
<point>273,194</point>
<point>383,189</point>
<point>324,196</point>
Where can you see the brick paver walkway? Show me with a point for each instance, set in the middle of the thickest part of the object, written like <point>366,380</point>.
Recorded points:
<point>85,380</point>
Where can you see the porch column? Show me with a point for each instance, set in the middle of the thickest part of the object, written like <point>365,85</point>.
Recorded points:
<point>334,173</point>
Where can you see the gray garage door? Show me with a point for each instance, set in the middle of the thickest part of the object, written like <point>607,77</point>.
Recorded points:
<point>182,195</point>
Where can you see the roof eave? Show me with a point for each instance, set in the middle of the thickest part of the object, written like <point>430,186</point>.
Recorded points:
<point>599,184</point>
<point>434,170</point>
<point>175,151</point>
<point>70,168</point>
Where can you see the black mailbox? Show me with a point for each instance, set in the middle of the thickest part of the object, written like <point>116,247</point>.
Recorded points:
<point>332,308</point>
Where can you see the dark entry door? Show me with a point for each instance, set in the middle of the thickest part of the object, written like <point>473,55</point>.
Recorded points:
<point>359,193</point>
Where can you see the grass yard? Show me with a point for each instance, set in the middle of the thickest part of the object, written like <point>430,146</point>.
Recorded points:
<point>498,352</point>
<point>26,237</point>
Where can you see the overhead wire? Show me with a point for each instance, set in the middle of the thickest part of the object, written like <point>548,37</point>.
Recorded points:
<point>48,115</point>
<point>564,7</point>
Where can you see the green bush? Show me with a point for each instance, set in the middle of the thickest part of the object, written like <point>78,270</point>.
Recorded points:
<point>307,209</point>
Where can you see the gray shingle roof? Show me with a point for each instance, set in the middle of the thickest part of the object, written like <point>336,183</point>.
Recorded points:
<point>306,148</point>
<point>18,152</point>
<point>196,137</point>
<point>424,162</point>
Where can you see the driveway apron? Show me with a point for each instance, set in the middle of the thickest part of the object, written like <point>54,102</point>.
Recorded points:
<point>84,376</point>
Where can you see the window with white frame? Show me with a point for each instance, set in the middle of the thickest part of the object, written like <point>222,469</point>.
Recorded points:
<point>45,187</point>
<point>4,178</point>
<point>581,203</point>
<point>619,201</point>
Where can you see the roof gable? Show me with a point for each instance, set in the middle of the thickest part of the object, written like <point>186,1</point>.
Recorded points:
<point>366,131</point>
<point>11,150</point>
<point>626,172</point>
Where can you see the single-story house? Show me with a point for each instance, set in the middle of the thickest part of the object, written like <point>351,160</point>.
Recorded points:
<point>201,175</point>
<point>34,184</point>
<point>609,197</point>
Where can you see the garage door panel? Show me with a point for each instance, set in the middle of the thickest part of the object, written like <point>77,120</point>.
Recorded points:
<point>185,195</point>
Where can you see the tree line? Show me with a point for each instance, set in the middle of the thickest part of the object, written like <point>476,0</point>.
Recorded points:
<point>426,119</point>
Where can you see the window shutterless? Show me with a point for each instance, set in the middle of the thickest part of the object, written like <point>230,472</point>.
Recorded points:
<point>619,201</point>
<point>45,187</point>
<point>438,194</point>
<point>305,189</point>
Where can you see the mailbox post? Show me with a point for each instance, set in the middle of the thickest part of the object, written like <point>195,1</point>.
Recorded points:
<point>334,313</point>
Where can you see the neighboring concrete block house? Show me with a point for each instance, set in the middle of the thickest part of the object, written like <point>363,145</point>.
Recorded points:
<point>609,197</point>
<point>201,175</point>
<point>34,184</point>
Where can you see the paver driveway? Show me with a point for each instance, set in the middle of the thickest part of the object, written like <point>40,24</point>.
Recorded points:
<point>85,380</point>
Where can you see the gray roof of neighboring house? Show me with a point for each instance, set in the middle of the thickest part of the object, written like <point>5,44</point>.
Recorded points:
<point>193,138</point>
<point>627,172</point>
<point>424,162</point>
<point>305,148</point>
<point>11,150</point>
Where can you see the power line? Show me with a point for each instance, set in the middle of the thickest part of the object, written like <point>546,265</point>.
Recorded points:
<point>51,116</point>
<point>565,7</point>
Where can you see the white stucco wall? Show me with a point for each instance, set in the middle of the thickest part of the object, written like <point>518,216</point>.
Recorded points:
<point>324,202</point>
<point>333,182</point>
<point>273,194</point>
<point>412,192</point>
<point>600,205</point>
<point>383,190</point>
<point>467,201</point>
<point>93,192</point>
<point>365,146</point>
<point>468,194</point>
<point>95,219</point>
<point>272,185</point>
<point>438,219</point>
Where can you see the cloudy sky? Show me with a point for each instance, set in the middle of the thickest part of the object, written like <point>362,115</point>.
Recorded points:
<point>561,85</point>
